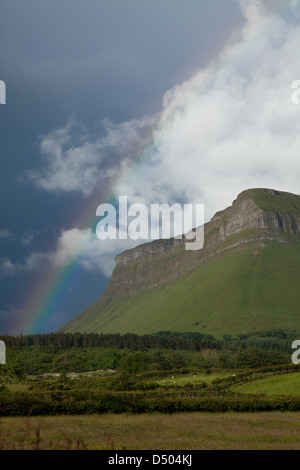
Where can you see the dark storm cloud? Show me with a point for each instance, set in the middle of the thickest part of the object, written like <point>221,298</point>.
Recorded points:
<point>113,57</point>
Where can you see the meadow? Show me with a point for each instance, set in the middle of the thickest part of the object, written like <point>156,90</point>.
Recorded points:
<point>171,392</point>
<point>276,385</point>
<point>182,431</point>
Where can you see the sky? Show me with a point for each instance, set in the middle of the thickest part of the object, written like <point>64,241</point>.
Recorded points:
<point>180,101</point>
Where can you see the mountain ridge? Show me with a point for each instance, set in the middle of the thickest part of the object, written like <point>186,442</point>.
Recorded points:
<point>257,218</point>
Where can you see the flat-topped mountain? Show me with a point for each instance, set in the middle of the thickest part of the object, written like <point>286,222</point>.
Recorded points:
<point>245,278</point>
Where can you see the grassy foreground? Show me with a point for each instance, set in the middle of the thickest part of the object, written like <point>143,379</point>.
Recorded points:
<point>183,431</point>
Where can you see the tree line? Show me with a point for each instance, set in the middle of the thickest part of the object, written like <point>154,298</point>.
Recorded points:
<point>193,341</point>
<point>163,340</point>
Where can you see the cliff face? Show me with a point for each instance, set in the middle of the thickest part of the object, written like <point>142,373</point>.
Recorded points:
<point>245,278</point>
<point>155,263</point>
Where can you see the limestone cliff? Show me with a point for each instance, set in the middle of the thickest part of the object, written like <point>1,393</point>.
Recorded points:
<point>246,276</point>
<point>152,264</point>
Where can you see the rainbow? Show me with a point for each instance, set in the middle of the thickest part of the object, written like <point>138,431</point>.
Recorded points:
<point>48,293</point>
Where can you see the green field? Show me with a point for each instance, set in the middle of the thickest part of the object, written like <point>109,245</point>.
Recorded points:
<point>192,431</point>
<point>287,384</point>
<point>183,379</point>
<point>17,387</point>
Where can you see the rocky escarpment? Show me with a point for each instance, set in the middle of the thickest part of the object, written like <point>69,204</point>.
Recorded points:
<point>244,279</point>
<point>250,219</point>
<point>246,214</point>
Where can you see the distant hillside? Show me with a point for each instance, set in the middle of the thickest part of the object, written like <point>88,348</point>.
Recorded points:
<point>246,278</point>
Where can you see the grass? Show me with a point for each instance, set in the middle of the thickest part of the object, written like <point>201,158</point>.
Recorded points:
<point>278,201</point>
<point>182,379</point>
<point>17,387</point>
<point>277,385</point>
<point>193,431</point>
<point>234,292</point>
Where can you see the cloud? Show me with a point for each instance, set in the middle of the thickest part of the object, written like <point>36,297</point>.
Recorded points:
<point>36,261</point>
<point>5,233</point>
<point>8,268</point>
<point>73,159</point>
<point>26,238</point>
<point>232,125</point>
<point>90,252</point>
<point>253,11</point>
<point>229,127</point>
<point>72,245</point>
<point>29,236</point>
<point>294,4</point>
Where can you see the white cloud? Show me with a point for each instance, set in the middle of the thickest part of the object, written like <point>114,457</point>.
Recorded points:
<point>75,160</point>
<point>294,4</point>
<point>79,245</point>
<point>230,127</point>
<point>84,247</point>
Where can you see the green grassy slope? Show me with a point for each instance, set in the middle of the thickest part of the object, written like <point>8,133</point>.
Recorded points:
<point>276,201</point>
<point>230,293</point>
<point>287,384</point>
